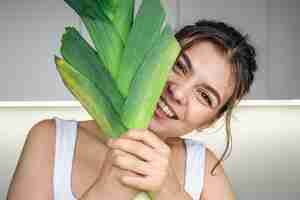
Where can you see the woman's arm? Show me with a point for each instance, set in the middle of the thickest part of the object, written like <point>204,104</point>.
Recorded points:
<point>32,178</point>
<point>216,187</point>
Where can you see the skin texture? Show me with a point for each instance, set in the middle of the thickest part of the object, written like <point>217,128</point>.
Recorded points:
<point>150,159</point>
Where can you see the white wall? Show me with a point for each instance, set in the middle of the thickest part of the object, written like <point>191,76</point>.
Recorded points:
<point>31,31</point>
<point>264,163</point>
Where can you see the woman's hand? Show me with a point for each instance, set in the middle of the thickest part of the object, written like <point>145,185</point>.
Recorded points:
<point>148,157</point>
<point>107,185</point>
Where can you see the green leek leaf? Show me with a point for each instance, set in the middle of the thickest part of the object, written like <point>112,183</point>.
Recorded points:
<point>76,51</point>
<point>150,78</point>
<point>146,25</point>
<point>91,98</point>
<point>105,36</point>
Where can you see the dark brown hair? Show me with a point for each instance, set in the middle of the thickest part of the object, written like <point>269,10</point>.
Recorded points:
<point>240,53</point>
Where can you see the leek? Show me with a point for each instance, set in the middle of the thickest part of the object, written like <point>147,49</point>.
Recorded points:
<point>120,78</point>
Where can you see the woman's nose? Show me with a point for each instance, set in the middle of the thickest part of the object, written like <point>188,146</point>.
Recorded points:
<point>177,93</point>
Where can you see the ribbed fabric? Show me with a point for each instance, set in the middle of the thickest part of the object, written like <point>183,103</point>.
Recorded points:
<point>194,171</point>
<point>66,134</point>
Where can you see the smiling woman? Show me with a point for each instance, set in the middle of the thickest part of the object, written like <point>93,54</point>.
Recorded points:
<point>228,84</point>
<point>212,73</point>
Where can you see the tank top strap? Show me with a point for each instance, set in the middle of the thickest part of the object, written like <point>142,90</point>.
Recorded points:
<point>66,135</point>
<point>194,171</point>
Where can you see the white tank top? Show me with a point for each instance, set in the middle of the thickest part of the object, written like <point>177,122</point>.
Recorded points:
<point>66,135</point>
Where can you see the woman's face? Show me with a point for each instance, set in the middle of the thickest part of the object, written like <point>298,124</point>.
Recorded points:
<point>196,93</point>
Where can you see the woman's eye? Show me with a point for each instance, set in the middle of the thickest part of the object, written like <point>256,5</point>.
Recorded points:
<point>206,97</point>
<point>178,67</point>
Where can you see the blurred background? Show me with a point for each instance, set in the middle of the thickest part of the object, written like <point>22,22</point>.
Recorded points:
<point>265,159</point>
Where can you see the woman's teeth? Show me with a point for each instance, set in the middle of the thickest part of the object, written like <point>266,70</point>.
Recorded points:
<point>166,109</point>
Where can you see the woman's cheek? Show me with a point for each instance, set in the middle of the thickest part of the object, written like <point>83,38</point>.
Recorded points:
<point>199,115</point>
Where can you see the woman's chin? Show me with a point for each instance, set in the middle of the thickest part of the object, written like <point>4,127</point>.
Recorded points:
<point>154,125</point>
<point>157,127</point>
<point>161,128</point>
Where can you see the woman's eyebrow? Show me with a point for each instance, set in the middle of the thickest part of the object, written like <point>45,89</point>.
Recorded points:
<point>187,62</point>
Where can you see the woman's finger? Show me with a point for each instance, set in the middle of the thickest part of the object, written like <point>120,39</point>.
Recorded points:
<point>134,147</point>
<point>149,138</point>
<point>126,161</point>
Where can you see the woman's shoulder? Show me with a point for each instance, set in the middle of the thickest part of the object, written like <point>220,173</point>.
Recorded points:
<point>35,164</point>
<point>43,129</point>
<point>40,138</point>
<point>42,135</point>
<point>36,161</point>
<point>89,136</point>
<point>46,130</point>
<point>216,183</point>
<point>40,141</point>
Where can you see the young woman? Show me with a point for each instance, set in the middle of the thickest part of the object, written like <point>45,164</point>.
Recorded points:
<point>64,159</point>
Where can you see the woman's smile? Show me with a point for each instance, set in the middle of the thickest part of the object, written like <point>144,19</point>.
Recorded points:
<point>162,116</point>
<point>164,110</point>
<point>162,113</point>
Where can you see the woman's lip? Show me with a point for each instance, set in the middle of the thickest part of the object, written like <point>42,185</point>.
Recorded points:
<point>170,107</point>
<point>159,113</point>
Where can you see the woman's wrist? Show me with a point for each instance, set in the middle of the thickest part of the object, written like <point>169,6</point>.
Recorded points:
<point>108,184</point>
